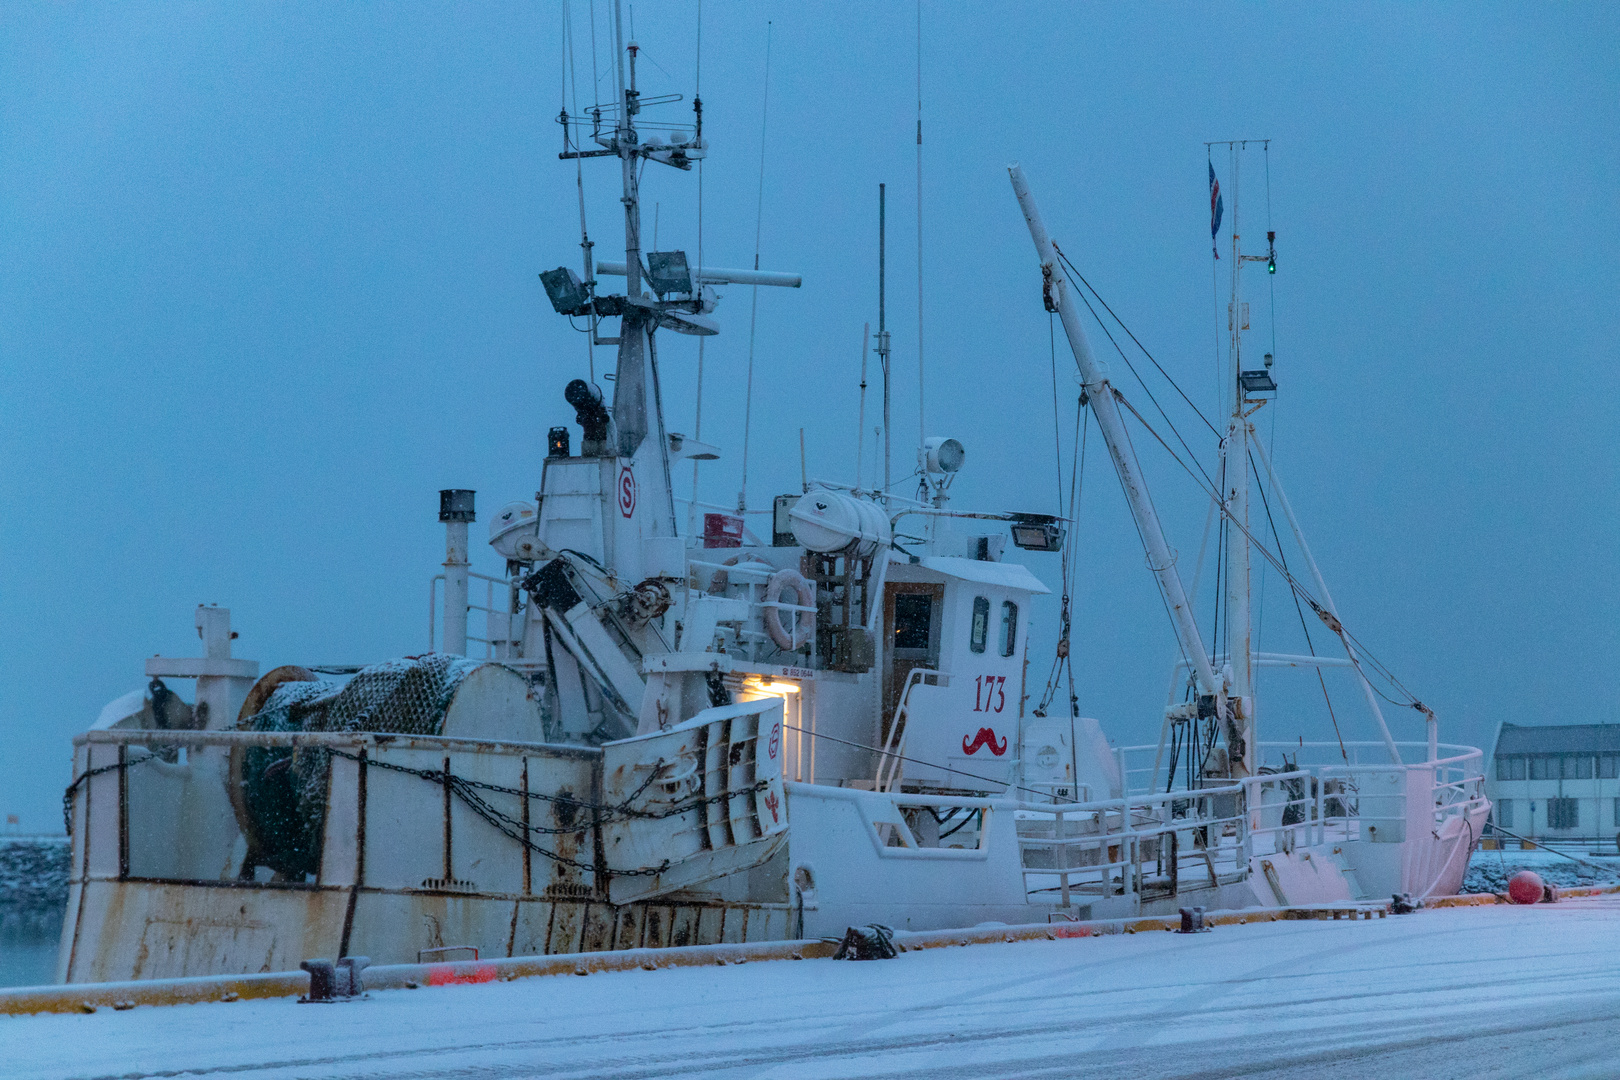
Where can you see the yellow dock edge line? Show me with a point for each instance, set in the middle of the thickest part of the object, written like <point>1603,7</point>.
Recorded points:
<point>89,997</point>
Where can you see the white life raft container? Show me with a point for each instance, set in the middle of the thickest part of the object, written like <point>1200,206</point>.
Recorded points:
<point>831,521</point>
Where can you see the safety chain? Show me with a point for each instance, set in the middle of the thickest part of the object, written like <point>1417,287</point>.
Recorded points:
<point>67,795</point>
<point>517,830</point>
<point>502,822</point>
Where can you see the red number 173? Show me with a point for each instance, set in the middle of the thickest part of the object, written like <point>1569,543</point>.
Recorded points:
<point>988,689</point>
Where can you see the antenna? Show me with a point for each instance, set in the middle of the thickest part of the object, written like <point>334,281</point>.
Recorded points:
<point>883,347</point>
<point>922,421</point>
<point>753,314</point>
<point>860,425</point>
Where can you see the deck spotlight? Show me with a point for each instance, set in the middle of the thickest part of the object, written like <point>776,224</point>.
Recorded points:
<point>566,292</point>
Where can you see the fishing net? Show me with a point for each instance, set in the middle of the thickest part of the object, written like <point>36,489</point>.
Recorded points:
<point>284,790</point>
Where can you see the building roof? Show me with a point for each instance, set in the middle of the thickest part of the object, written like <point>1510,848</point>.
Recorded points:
<point>1558,739</point>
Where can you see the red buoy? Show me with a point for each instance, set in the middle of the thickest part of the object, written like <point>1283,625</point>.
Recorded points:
<point>1526,887</point>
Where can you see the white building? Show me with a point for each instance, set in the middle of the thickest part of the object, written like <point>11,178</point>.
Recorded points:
<point>1556,781</point>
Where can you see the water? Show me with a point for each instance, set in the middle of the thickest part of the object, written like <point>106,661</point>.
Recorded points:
<point>33,901</point>
<point>28,948</point>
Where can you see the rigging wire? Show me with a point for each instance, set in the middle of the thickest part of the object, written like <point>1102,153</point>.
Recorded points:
<point>887,755</point>
<point>1364,655</point>
<point>1149,393</point>
<point>1222,540</point>
<point>1066,566</point>
<point>1303,625</point>
<point>1057,424</point>
<point>753,313</point>
<point>1123,326</point>
<point>1377,666</point>
<point>1215,297</point>
<point>1137,375</point>
<point>1070,566</point>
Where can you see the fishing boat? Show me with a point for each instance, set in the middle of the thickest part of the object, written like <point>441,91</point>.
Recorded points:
<point>676,731</point>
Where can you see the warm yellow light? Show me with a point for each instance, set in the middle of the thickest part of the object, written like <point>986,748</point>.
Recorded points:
<point>775,686</point>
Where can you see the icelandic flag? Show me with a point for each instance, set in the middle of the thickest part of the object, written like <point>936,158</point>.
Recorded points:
<point>1217,209</point>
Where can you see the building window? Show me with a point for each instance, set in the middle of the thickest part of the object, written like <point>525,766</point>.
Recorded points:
<point>1563,813</point>
<point>1503,769</point>
<point>1538,768</point>
<point>1504,813</point>
<point>1518,764</point>
<point>1583,767</point>
<point>1009,627</point>
<point>1617,813</point>
<point>1607,766</point>
<point>981,624</point>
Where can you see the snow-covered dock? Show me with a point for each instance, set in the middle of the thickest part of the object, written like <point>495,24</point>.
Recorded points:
<point>1466,992</point>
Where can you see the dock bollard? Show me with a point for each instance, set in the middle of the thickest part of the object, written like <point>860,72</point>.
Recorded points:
<point>1192,921</point>
<point>330,982</point>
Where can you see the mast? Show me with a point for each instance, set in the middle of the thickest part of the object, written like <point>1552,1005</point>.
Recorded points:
<point>1100,393</point>
<point>1235,447</point>
<point>637,414</point>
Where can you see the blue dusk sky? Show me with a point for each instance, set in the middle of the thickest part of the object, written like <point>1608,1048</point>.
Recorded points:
<point>268,282</point>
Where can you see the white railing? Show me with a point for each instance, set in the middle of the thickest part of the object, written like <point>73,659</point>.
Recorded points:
<point>891,759</point>
<point>1355,784</point>
<point>1145,843</point>
<point>499,616</point>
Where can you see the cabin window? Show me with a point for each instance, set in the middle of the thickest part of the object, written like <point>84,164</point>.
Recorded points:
<point>1504,813</point>
<point>981,624</point>
<point>1009,627</point>
<point>913,615</point>
<point>1606,766</point>
<point>1563,813</point>
<point>1583,768</point>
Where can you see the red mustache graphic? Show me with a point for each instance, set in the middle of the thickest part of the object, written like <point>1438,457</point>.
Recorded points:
<point>985,737</point>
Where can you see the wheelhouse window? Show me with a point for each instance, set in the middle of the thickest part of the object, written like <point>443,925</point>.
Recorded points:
<point>913,616</point>
<point>981,624</point>
<point>1009,627</point>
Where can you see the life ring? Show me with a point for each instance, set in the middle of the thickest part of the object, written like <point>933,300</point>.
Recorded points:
<point>805,622</point>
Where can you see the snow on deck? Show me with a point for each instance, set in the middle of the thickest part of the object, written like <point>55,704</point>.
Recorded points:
<point>1466,992</point>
